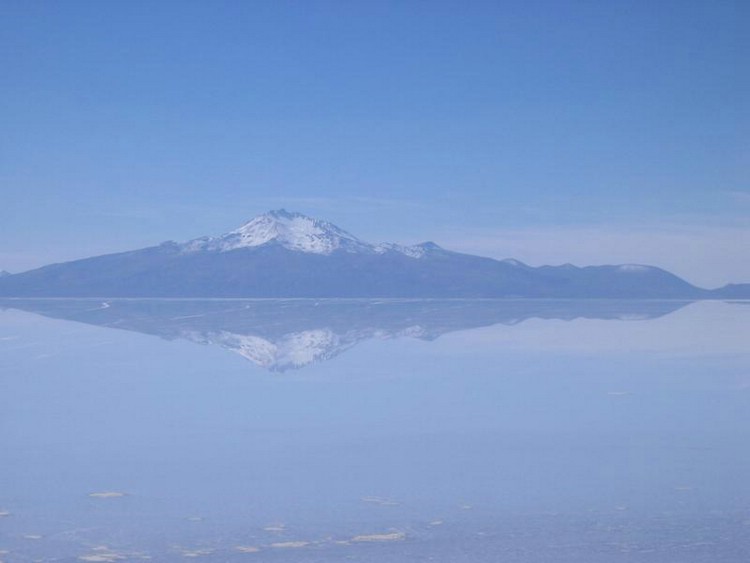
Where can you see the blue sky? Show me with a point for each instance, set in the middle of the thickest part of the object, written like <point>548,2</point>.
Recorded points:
<point>550,131</point>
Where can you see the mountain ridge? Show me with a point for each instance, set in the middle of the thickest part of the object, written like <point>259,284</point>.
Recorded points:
<point>288,254</point>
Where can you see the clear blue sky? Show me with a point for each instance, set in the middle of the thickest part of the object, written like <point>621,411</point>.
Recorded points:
<point>551,131</point>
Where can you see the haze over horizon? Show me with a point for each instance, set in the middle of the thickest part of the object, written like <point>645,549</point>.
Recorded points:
<point>545,131</point>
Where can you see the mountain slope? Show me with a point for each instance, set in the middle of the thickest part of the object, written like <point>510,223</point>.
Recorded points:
<point>282,254</point>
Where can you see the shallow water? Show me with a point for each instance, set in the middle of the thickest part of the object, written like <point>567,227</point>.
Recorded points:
<point>447,431</point>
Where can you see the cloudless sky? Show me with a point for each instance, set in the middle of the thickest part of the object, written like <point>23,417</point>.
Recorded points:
<point>551,131</point>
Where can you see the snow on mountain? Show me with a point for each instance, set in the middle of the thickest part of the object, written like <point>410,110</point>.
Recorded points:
<point>513,262</point>
<point>635,268</point>
<point>416,251</point>
<point>300,233</point>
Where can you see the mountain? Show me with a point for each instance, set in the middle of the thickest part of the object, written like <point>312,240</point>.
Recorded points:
<point>283,254</point>
<point>3,273</point>
<point>734,291</point>
<point>285,334</point>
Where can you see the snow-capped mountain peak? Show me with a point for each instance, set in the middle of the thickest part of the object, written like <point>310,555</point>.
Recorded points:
<point>298,232</point>
<point>291,230</point>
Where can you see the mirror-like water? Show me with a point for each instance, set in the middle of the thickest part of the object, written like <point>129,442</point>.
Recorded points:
<point>303,430</point>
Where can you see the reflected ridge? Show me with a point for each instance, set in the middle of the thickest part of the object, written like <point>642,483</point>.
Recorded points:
<point>284,334</point>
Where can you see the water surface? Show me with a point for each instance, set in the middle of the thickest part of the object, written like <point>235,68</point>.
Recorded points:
<point>304,430</point>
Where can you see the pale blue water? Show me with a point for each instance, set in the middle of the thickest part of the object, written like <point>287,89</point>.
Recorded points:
<point>461,431</point>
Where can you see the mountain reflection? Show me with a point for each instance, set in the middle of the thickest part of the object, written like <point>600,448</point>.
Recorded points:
<point>284,334</point>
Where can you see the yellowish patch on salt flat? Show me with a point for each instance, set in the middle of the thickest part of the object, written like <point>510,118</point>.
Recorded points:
<point>32,537</point>
<point>290,544</point>
<point>393,536</point>
<point>102,553</point>
<point>196,552</point>
<point>247,549</point>
<point>380,500</point>
<point>436,523</point>
<point>107,494</point>
<point>275,528</point>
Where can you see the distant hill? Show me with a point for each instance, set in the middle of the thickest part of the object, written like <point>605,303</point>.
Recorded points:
<point>733,291</point>
<point>283,254</point>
